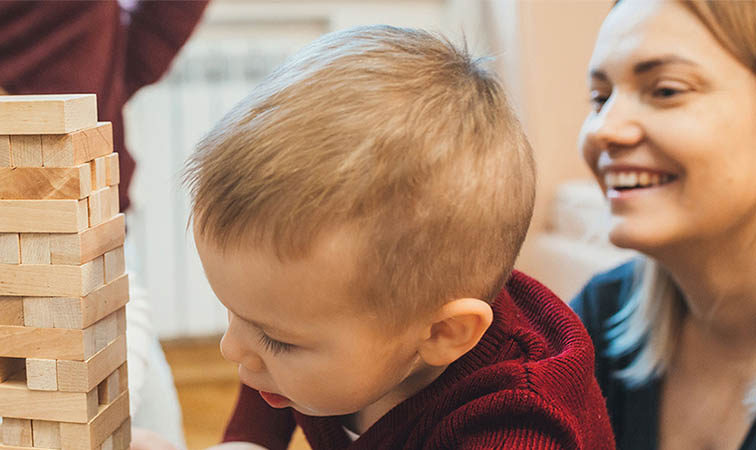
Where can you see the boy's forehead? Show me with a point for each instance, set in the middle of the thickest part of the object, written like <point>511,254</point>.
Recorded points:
<point>262,288</point>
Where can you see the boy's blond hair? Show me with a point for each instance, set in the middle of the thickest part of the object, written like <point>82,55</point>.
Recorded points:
<point>393,132</point>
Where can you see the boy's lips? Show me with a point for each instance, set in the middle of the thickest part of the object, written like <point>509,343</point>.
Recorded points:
<point>275,400</point>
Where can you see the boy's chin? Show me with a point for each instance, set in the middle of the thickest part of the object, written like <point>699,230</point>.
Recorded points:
<point>321,412</point>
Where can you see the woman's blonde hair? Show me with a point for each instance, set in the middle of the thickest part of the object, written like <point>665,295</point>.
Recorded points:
<point>651,321</point>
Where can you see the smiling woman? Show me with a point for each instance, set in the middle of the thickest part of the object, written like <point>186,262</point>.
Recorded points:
<point>671,141</point>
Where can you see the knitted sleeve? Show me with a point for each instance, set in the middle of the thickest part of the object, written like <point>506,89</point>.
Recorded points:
<point>254,421</point>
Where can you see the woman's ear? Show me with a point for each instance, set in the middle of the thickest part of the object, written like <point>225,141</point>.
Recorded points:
<point>456,328</point>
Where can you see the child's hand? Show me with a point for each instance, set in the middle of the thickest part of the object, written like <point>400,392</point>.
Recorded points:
<point>142,439</point>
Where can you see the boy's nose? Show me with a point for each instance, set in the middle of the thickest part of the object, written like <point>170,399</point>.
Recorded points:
<point>233,350</point>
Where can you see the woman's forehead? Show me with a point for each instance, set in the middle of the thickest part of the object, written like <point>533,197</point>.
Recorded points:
<point>635,31</point>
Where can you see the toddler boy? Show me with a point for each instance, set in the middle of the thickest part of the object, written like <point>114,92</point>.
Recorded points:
<point>359,216</point>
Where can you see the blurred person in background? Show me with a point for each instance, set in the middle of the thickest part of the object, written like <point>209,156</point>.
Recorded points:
<point>112,50</point>
<point>671,140</point>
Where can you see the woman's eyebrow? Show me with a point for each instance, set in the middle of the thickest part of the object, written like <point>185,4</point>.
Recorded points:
<point>648,65</point>
<point>645,66</point>
<point>598,74</point>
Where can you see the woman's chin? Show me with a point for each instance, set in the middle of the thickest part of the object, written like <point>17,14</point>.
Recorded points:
<point>644,239</point>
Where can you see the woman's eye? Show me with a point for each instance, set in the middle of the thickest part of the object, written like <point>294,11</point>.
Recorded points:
<point>669,90</point>
<point>665,92</point>
<point>598,99</point>
<point>273,346</point>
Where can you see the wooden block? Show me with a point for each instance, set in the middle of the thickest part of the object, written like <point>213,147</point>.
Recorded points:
<point>81,312</point>
<point>112,170</point>
<point>98,208</point>
<point>5,153</point>
<point>13,447</point>
<point>46,434</point>
<point>93,275</point>
<point>26,151</point>
<point>46,343</point>
<point>10,248</point>
<point>122,436</point>
<point>9,367</point>
<point>114,202</point>
<point>99,172</point>
<point>107,444</point>
<point>47,280</point>
<point>45,183</point>
<point>76,148</point>
<point>66,312</point>
<point>41,216</point>
<point>38,312</point>
<point>121,322</point>
<point>12,311</point>
<point>47,114</point>
<point>41,374</point>
<point>106,330</point>
<point>78,248</point>
<point>82,213</point>
<point>108,211</point>
<point>109,389</point>
<point>109,419</point>
<point>123,376</point>
<point>19,402</point>
<point>93,403</point>
<point>16,432</point>
<point>83,376</point>
<point>115,264</point>
<point>35,248</point>
<point>62,312</point>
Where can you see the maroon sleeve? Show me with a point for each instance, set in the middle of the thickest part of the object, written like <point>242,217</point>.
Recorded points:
<point>57,47</point>
<point>255,421</point>
<point>156,32</point>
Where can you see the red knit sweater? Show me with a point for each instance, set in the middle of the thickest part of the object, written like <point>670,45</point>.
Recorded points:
<point>528,384</point>
<point>59,47</point>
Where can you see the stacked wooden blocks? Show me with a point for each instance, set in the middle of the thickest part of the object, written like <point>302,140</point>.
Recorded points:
<point>63,286</point>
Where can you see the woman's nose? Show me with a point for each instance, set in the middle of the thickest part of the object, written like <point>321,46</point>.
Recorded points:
<point>616,125</point>
<point>233,349</point>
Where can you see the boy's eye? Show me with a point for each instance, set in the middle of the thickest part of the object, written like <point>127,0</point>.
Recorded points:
<point>273,346</point>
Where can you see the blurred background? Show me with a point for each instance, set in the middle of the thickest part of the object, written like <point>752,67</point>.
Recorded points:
<point>541,50</point>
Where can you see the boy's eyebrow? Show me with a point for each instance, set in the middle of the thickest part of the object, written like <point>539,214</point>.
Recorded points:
<point>264,326</point>
<point>646,66</point>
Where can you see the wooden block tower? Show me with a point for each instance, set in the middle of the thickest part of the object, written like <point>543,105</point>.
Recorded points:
<point>63,286</point>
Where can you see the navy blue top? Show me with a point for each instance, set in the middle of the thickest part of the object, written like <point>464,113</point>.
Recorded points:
<point>634,413</point>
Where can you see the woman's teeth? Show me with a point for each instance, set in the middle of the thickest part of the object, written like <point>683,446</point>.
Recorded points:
<point>635,179</point>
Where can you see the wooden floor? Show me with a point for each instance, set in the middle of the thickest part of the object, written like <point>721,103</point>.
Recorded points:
<point>207,387</point>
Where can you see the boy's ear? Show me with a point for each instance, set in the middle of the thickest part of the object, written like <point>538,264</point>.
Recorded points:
<point>456,328</point>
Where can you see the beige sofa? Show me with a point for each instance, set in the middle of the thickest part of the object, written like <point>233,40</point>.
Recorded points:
<point>573,245</point>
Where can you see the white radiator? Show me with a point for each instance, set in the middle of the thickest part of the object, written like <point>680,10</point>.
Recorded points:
<point>165,121</point>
